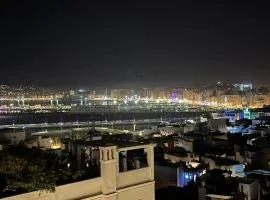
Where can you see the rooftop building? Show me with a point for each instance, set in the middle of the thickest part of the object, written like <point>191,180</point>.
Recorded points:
<point>118,180</point>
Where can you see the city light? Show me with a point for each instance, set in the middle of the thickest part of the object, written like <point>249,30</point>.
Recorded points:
<point>135,100</point>
<point>155,98</point>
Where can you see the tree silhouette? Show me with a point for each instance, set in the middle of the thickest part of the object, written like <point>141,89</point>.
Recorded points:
<point>20,173</point>
<point>239,196</point>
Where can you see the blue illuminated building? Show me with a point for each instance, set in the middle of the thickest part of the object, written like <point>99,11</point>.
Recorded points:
<point>188,174</point>
<point>247,114</point>
<point>233,115</point>
<point>174,96</point>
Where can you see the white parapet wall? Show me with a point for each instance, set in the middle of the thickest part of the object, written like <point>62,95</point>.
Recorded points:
<point>133,177</point>
<point>78,190</point>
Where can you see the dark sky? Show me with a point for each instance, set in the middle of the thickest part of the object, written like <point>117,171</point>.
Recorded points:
<point>133,43</point>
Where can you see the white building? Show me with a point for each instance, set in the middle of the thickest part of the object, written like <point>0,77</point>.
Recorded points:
<point>235,167</point>
<point>189,127</point>
<point>186,143</point>
<point>15,137</point>
<point>149,131</point>
<point>45,142</point>
<point>170,130</point>
<point>251,188</point>
<point>113,184</point>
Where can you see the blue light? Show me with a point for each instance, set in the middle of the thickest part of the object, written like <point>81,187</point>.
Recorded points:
<point>186,176</point>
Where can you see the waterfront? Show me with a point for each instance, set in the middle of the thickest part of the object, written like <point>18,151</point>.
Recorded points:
<point>56,117</point>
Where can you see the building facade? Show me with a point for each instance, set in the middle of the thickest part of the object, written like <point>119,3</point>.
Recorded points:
<point>113,184</point>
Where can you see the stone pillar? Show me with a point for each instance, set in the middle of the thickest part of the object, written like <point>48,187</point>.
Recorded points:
<point>150,160</point>
<point>108,165</point>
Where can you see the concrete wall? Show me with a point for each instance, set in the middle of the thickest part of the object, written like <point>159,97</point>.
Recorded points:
<point>189,127</point>
<point>186,144</point>
<point>78,190</point>
<point>246,190</point>
<point>172,158</point>
<point>45,142</point>
<point>141,192</point>
<point>16,137</point>
<point>91,190</point>
<point>252,190</point>
<point>133,177</point>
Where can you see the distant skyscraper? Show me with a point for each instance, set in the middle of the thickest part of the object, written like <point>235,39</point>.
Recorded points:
<point>147,93</point>
<point>71,92</point>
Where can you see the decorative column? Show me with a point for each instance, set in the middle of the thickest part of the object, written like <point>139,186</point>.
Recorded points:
<point>108,164</point>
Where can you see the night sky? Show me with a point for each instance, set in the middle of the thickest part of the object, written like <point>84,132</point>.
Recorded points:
<point>133,43</point>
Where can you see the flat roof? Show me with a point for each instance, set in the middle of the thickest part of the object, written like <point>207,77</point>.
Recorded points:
<point>260,172</point>
<point>218,196</point>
